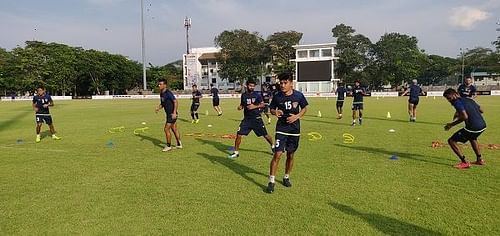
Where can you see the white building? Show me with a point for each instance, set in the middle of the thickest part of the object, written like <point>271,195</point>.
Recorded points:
<point>201,68</point>
<point>314,69</point>
<point>485,79</point>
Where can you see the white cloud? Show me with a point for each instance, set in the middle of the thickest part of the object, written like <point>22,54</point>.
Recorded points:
<point>104,2</point>
<point>466,17</point>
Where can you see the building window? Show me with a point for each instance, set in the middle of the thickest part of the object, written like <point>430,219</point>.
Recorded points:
<point>214,80</point>
<point>314,53</point>
<point>302,54</point>
<point>326,52</point>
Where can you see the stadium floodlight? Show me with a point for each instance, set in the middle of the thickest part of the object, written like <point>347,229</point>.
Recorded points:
<point>143,51</point>
<point>187,25</point>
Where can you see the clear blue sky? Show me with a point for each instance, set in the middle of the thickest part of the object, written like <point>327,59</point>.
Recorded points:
<point>442,26</point>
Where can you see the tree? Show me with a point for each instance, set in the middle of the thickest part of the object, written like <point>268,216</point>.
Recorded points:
<point>354,53</point>
<point>436,70</point>
<point>398,58</point>
<point>496,43</point>
<point>241,54</point>
<point>280,45</point>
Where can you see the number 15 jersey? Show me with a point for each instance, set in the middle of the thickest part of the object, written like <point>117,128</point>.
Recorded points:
<point>289,105</point>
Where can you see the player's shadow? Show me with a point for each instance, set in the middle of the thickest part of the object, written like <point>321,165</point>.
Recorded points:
<point>224,148</point>
<point>384,224</point>
<point>386,153</point>
<point>236,167</point>
<point>183,120</point>
<point>6,123</point>
<point>154,141</point>
<point>325,121</point>
<point>401,121</point>
<point>45,134</point>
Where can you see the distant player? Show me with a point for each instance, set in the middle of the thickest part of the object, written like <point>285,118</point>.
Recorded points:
<point>468,111</point>
<point>195,104</point>
<point>251,103</point>
<point>41,104</point>
<point>340,92</point>
<point>214,92</point>
<point>357,104</point>
<point>169,104</point>
<point>414,90</point>
<point>289,105</point>
<point>266,96</point>
<point>467,90</point>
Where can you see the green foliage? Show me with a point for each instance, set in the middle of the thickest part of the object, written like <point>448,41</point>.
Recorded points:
<point>280,45</point>
<point>241,56</point>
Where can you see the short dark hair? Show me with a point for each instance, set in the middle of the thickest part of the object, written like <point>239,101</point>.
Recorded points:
<point>162,81</point>
<point>449,91</point>
<point>211,85</point>
<point>194,85</point>
<point>40,87</point>
<point>250,81</point>
<point>285,76</point>
<point>357,81</point>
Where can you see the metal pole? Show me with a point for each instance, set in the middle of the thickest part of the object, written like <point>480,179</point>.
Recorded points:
<point>187,25</point>
<point>143,47</point>
<point>463,65</point>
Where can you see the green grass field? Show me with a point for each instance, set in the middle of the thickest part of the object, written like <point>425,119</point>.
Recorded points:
<point>83,185</point>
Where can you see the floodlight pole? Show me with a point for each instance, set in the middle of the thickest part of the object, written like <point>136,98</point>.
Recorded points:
<point>463,64</point>
<point>187,25</point>
<point>143,47</point>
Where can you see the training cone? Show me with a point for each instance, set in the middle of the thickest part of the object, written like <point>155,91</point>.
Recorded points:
<point>319,113</point>
<point>206,112</point>
<point>388,115</point>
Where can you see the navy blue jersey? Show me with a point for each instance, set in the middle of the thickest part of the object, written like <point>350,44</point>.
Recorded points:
<point>340,93</point>
<point>357,93</point>
<point>39,101</point>
<point>475,121</point>
<point>266,96</point>
<point>289,105</point>
<point>250,98</point>
<point>167,99</point>
<point>415,91</point>
<point>197,93</point>
<point>214,92</point>
<point>466,91</point>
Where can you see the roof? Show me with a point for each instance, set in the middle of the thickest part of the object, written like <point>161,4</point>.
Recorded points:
<point>208,56</point>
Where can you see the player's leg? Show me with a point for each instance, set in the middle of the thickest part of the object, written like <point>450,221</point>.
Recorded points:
<point>414,112</point>
<point>453,142</point>
<point>354,109</point>
<point>192,113</point>
<point>291,146</point>
<point>259,129</point>
<point>168,136</point>
<point>244,129</point>
<point>360,111</point>
<point>38,128</point>
<point>410,108</point>
<point>48,120</point>
<point>196,113</point>
<point>279,148</point>
<point>177,135</point>
<point>477,150</point>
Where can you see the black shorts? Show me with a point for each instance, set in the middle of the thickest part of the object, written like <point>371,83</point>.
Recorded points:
<point>215,102</point>
<point>195,106</point>
<point>257,125</point>
<point>47,119</point>
<point>463,136</point>
<point>170,120</point>
<point>340,104</point>
<point>286,143</point>
<point>413,101</point>
<point>357,106</point>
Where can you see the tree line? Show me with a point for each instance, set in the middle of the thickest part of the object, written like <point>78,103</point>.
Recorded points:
<point>393,59</point>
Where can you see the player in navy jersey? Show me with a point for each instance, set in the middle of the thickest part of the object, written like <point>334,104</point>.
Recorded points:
<point>414,90</point>
<point>468,111</point>
<point>357,104</point>
<point>340,92</point>
<point>467,90</point>
<point>251,103</point>
<point>195,104</point>
<point>289,105</point>
<point>266,96</point>
<point>41,104</point>
<point>169,105</point>
<point>214,92</point>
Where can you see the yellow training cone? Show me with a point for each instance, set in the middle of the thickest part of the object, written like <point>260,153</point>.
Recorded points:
<point>388,115</point>
<point>319,114</point>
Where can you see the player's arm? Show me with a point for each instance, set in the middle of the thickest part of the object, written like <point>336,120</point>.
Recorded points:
<point>34,106</point>
<point>461,116</point>
<point>293,118</point>
<point>473,92</point>
<point>174,113</point>
<point>405,92</point>
<point>274,109</point>
<point>49,104</point>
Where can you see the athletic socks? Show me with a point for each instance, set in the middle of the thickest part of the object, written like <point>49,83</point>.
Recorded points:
<point>197,117</point>
<point>192,115</point>
<point>168,144</point>
<point>478,158</point>
<point>463,159</point>
<point>271,179</point>
<point>286,176</point>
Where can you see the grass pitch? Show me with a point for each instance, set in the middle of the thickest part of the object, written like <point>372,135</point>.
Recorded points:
<point>97,182</point>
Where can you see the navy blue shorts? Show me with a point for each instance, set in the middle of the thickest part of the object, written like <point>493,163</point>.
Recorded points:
<point>257,125</point>
<point>215,102</point>
<point>170,120</point>
<point>286,143</point>
<point>413,101</point>
<point>194,107</point>
<point>47,119</point>
<point>463,136</point>
<point>358,106</point>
